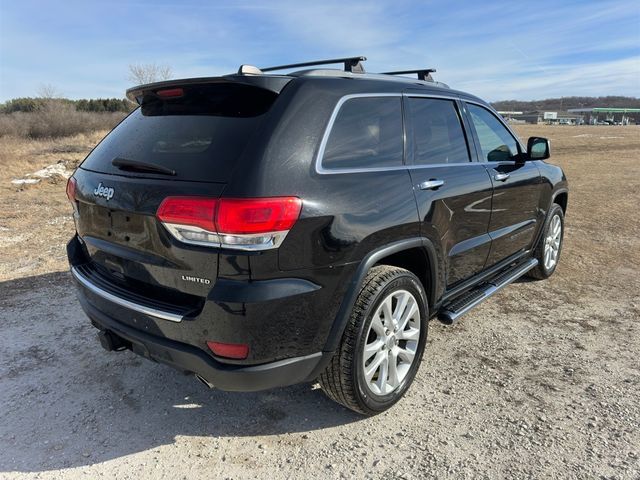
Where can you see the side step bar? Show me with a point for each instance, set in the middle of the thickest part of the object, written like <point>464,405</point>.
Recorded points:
<point>450,312</point>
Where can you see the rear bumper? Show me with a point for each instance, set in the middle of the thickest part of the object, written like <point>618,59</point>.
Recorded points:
<point>193,360</point>
<point>279,318</point>
<point>283,320</point>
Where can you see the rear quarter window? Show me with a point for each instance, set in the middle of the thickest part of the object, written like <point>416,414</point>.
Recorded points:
<point>366,133</point>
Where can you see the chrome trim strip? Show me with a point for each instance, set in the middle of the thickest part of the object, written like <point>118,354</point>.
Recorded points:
<point>175,228</point>
<point>334,171</point>
<point>273,240</point>
<point>222,240</point>
<point>172,317</point>
<point>325,137</point>
<point>491,110</point>
<point>431,95</point>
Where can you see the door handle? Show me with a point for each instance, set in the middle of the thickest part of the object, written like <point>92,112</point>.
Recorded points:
<point>431,184</point>
<point>501,177</point>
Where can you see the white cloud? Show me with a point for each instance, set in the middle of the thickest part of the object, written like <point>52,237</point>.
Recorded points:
<point>496,50</point>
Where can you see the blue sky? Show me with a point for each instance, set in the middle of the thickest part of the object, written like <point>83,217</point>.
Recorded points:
<point>497,50</point>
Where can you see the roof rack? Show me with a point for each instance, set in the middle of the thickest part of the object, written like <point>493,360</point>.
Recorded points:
<point>423,73</point>
<point>351,64</point>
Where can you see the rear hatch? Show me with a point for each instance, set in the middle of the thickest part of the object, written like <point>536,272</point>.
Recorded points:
<point>184,140</point>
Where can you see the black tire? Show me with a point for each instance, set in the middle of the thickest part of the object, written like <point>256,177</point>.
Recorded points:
<point>541,272</point>
<point>343,380</point>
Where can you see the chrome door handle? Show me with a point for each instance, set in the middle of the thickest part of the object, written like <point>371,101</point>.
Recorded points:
<point>501,177</point>
<point>431,184</point>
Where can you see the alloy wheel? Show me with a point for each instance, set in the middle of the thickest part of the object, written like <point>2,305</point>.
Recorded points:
<point>552,243</point>
<point>391,342</point>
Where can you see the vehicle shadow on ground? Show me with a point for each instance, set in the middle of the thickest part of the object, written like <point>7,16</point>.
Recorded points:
<point>68,403</point>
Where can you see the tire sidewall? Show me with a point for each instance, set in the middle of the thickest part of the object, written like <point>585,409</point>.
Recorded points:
<point>379,403</point>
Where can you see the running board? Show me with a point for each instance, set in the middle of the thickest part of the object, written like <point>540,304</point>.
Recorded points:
<point>450,312</point>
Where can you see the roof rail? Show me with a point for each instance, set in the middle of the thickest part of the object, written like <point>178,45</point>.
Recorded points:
<point>351,64</point>
<point>423,73</point>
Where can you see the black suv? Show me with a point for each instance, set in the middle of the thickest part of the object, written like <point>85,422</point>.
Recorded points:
<point>260,230</point>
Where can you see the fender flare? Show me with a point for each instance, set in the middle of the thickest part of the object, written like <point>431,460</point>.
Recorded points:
<point>555,195</point>
<point>355,285</point>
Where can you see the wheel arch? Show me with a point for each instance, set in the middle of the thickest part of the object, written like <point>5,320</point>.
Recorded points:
<point>399,254</point>
<point>561,197</point>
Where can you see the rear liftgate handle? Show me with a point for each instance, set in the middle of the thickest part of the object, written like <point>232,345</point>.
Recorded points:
<point>431,184</point>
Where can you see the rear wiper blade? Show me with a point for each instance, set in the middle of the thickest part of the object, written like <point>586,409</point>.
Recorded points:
<point>136,166</point>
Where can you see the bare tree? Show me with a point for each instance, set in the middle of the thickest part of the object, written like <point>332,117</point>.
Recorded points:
<point>148,73</point>
<point>48,91</point>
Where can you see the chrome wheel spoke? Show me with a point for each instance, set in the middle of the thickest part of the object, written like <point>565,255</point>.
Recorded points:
<point>372,348</point>
<point>373,367</point>
<point>411,334</point>
<point>406,354</point>
<point>410,312</point>
<point>377,326</point>
<point>398,313</point>
<point>388,313</point>
<point>383,374</point>
<point>394,379</point>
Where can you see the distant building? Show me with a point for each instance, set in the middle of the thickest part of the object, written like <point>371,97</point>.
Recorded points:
<point>550,118</point>
<point>606,115</point>
<point>510,116</point>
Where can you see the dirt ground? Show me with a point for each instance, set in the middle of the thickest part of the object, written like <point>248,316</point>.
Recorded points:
<point>541,381</point>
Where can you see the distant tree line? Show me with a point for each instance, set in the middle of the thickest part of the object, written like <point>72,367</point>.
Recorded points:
<point>29,104</point>
<point>104,105</point>
<point>565,103</point>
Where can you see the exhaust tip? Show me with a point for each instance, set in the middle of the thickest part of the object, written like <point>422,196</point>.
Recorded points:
<point>204,381</point>
<point>111,342</point>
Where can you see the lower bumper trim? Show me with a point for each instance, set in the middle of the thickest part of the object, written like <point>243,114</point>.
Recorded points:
<point>191,359</point>
<point>123,302</point>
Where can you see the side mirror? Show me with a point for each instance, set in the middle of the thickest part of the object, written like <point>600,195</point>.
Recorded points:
<point>538,148</point>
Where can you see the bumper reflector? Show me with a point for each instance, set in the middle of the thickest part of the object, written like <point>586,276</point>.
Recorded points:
<point>237,351</point>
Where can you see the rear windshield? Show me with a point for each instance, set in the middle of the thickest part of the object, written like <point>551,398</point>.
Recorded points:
<point>199,135</point>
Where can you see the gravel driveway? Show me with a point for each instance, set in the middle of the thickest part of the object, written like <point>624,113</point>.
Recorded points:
<point>527,386</point>
<point>541,381</point>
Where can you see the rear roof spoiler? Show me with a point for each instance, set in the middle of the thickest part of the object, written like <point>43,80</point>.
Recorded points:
<point>271,82</point>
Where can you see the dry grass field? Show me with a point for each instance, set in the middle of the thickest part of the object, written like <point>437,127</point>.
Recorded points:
<point>541,381</point>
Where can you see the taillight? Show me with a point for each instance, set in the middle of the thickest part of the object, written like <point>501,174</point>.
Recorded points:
<point>257,215</point>
<point>195,211</point>
<point>238,351</point>
<point>245,224</point>
<point>71,193</point>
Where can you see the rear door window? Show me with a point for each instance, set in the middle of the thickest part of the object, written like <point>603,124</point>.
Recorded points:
<point>435,132</point>
<point>200,135</point>
<point>366,133</point>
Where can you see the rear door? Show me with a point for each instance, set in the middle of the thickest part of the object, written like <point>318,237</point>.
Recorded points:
<point>516,185</point>
<point>453,192</point>
<point>186,142</point>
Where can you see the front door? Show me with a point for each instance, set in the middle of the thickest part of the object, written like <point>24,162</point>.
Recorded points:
<point>453,192</point>
<point>515,215</point>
